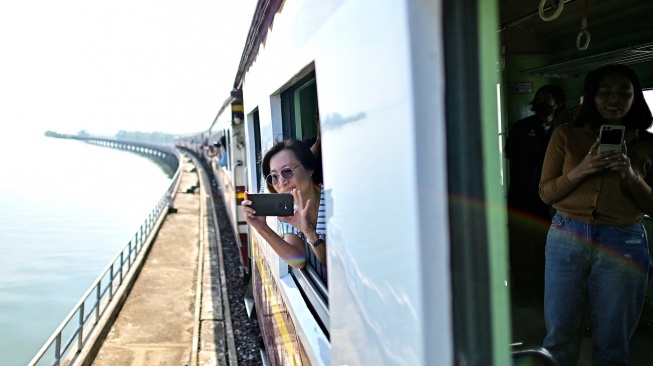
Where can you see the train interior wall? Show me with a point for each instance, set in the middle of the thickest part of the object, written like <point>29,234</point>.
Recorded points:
<point>517,101</point>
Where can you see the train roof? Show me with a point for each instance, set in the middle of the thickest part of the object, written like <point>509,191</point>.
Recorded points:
<point>619,32</point>
<point>261,22</point>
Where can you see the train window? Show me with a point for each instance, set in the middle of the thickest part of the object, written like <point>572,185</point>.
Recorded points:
<point>299,108</point>
<point>228,151</point>
<point>299,113</point>
<point>221,155</point>
<point>502,139</point>
<point>648,96</point>
<point>257,150</point>
<point>306,99</point>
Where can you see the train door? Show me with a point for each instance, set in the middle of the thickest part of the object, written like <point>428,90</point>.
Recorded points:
<point>236,161</point>
<point>257,186</point>
<point>253,167</point>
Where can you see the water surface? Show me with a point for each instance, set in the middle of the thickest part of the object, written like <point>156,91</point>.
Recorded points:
<point>66,209</point>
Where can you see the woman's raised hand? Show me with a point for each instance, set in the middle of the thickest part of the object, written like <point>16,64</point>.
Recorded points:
<point>592,162</point>
<point>300,219</point>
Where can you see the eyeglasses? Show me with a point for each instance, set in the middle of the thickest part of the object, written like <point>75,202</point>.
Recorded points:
<point>286,173</point>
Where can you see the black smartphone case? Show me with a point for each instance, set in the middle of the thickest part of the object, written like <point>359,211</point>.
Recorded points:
<point>272,204</point>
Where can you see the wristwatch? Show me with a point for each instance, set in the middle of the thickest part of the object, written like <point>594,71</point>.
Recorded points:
<point>318,242</point>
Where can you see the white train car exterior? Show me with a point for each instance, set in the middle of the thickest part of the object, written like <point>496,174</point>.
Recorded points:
<point>408,95</point>
<point>227,162</point>
<point>411,163</point>
<point>222,148</point>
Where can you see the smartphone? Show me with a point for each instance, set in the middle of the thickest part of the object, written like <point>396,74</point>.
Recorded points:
<point>611,137</point>
<point>272,204</point>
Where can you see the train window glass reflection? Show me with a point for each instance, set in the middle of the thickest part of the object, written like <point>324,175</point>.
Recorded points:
<point>502,137</point>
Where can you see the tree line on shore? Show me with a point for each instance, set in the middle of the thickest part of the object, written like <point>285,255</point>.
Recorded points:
<point>151,137</point>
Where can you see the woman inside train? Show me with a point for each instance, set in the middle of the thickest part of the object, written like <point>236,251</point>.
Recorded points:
<point>596,251</point>
<point>290,167</point>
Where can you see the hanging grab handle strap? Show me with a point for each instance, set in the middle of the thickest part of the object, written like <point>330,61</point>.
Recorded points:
<point>583,28</point>
<point>557,5</point>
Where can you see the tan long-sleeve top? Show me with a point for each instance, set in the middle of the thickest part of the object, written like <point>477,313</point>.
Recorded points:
<point>603,198</point>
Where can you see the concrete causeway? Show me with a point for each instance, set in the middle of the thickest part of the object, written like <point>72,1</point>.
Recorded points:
<point>177,312</point>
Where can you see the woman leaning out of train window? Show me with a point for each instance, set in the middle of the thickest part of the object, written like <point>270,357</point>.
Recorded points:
<point>596,251</point>
<point>290,167</point>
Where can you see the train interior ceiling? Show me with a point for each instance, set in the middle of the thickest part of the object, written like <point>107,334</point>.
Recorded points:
<point>622,25</point>
<point>538,52</point>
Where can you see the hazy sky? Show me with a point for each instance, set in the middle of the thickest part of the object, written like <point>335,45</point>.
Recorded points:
<point>105,66</point>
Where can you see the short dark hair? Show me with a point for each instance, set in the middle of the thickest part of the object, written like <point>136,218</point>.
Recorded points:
<point>557,93</point>
<point>302,153</point>
<point>639,115</point>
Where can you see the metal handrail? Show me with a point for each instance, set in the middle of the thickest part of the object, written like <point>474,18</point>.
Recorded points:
<point>80,323</point>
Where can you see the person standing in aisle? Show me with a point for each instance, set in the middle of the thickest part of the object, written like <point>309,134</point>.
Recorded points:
<point>597,254</point>
<point>528,216</point>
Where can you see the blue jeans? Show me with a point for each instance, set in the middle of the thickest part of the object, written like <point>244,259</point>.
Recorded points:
<point>604,269</point>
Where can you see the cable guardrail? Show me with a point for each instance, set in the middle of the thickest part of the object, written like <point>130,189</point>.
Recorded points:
<point>73,334</point>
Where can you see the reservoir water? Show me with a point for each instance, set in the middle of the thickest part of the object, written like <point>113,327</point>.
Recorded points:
<point>66,209</point>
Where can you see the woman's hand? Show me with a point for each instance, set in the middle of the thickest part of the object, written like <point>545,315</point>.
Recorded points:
<point>592,162</point>
<point>620,163</point>
<point>615,160</point>
<point>257,222</point>
<point>300,219</point>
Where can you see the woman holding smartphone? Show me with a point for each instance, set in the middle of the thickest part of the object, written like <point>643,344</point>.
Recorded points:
<point>290,167</point>
<point>597,255</point>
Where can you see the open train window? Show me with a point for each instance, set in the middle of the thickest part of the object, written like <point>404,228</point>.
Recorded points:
<point>257,150</point>
<point>299,108</point>
<point>299,114</point>
<point>228,151</point>
<point>221,153</point>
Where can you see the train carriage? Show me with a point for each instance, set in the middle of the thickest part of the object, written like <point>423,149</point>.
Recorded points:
<point>414,100</point>
<point>385,149</point>
<point>227,162</point>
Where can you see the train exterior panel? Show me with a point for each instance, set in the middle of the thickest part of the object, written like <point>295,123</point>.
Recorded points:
<point>229,168</point>
<point>383,137</point>
<point>275,317</point>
